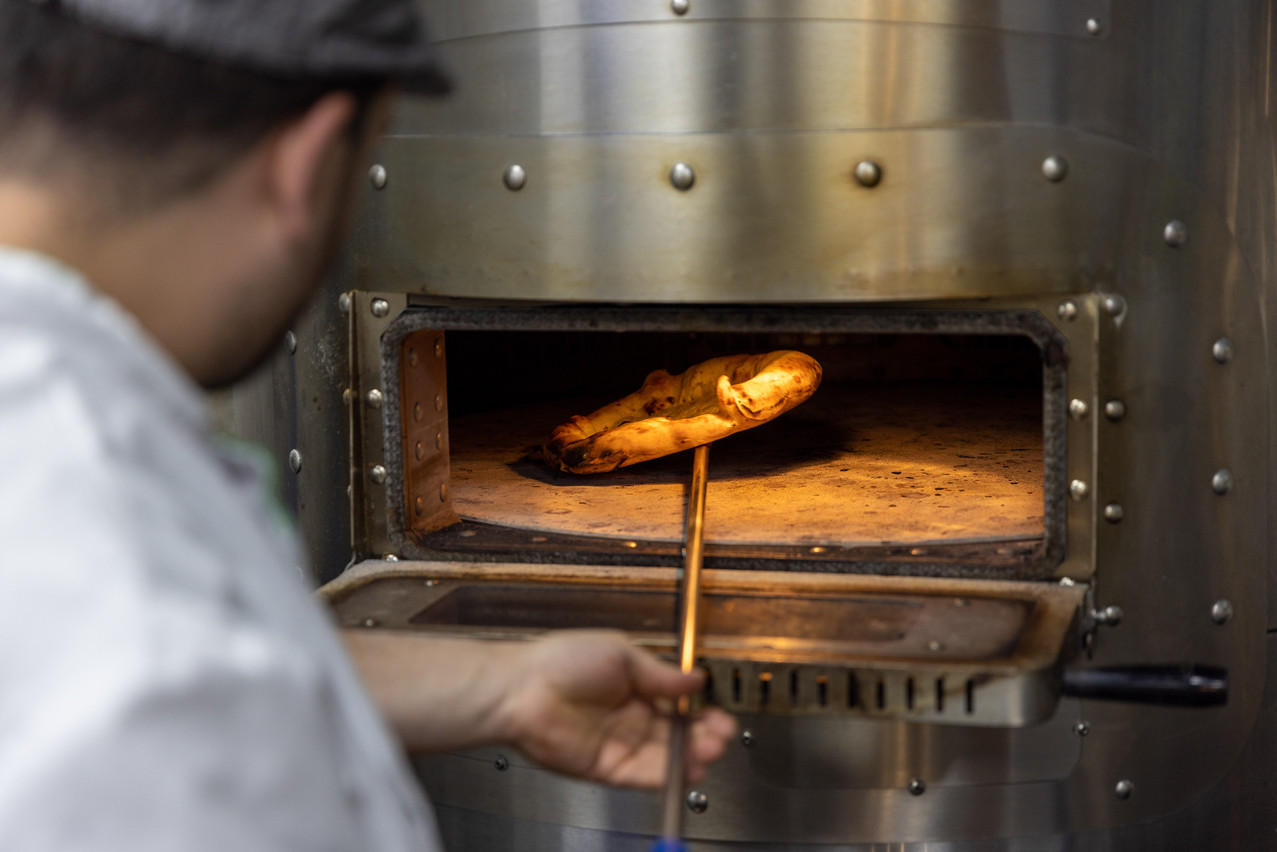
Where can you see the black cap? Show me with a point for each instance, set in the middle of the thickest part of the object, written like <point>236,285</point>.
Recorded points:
<point>324,39</point>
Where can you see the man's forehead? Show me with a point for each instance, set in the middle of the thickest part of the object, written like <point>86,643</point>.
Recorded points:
<point>326,39</point>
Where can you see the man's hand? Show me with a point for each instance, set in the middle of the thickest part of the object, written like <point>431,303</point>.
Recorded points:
<point>589,704</point>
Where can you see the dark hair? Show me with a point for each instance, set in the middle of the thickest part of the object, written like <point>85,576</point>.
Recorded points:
<point>153,122</point>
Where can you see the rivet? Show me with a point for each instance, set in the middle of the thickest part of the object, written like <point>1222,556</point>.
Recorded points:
<point>1222,350</point>
<point>438,402</point>
<point>747,738</point>
<point>290,342</point>
<point>502,763</point>
<point>1221,611</point>
<point>935,645</point>
<point>539,539</point>
<point>377,474</point>
<point>373,398</point>
<point>1078,489</point>
<point>1067,310</point>
<point>418,412</point>
<point>1094,26</point>
<point>682,177</point>
<point>379,307</point>
<point>917,786</point>
<point>295,461</point>
<point>412,358</point>
<point>697,802</point>
<point>1113,513</point>
<point>960,602</point>
<point>1222,481</point>
<point>467,533</point>
<point>1114,305</point>
<point>370,622</point>
<point>438,347</point>
<point>1055,168</point>
<point>1124,789</point>
<point>1078,409</point>
<point>432,582</point>
<point>419,451</point>
<point>346,396</point>
<point>1115,409</point>
<point>868,173</point>
<point>631,544</point>
<point>1082,729</point>
<point>1111,615</point>
<point>343,303</point>
<point>514,178</point>
<point>377,176</point>
<point>680,7</point>
<point>817,549</point>
<point>443,492</point>
<point>419,506</point>
<point>438,440</point>
<point>390,557</point>
<point>1175,233</point>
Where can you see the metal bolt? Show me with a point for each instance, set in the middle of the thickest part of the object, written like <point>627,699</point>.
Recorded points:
<point>680,7</point>
<point>1055,168</point>
<point>935,645</point>
<point>1222,350</point>
<point>1082,729</point>
<point>917,786</point>
<point>1067,310</point>
<point>390,557</point>
<point>817,549</point>
<point>438,347</point>
<point>682,176</point>
<point>1094,26</point>
<point>1078,489</point>
<point>379,307</point>
<point>378,474</point>
<point>631,544</point>
<point>1078,409</point>
<point>868,173</point>
<point>419,506</point>
<point>1222,481</point>
<point>374,398</point>
<point>1115,409</point>
<point>438,402</point>
<point>290,342</point>
<point>1111,615</point>
<point>747,738</point>
<point>343,303</point>
<point>1175,233</point>
<point>438,440</point>
<point>443,493</point>
<point>346,396</point>
<point>1114,305</point>
<point>1113,513</point>
<point>502,763</point>
<point>514,178</point>
<point>419,451</point>
<point>377,176</point>
<point>1124,789</point>
<point>418,413</point>
<point>697,802</point>
<point>295,461</point>
<point>370,622</point>
<point>1221,611</point>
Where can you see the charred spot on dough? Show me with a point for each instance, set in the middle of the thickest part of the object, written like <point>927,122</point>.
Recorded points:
<point>655,405</point>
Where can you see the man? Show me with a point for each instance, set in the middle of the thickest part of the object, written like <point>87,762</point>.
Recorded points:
<point>174,176</point>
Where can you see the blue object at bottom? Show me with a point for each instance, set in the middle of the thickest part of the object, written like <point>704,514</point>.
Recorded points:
<point>665,845</point>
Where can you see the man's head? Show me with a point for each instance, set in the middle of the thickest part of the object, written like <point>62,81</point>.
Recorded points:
<point>218,137</point>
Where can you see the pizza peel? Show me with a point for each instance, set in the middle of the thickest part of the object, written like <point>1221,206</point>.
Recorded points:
<point>689,596</point>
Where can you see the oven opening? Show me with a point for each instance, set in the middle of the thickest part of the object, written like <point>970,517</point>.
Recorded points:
<point>923,451</point>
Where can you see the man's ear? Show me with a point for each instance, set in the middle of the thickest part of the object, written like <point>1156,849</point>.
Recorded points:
<point>305,160</point>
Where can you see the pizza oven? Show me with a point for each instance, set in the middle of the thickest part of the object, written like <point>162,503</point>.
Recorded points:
<point>1003,582</point>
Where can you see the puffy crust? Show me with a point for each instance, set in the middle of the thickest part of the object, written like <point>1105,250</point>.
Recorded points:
<point>668,413</point>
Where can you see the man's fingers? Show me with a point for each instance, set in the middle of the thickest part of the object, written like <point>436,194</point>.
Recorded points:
<point>656,679</point>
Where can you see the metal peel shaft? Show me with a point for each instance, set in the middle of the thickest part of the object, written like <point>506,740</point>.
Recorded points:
<point>690,592</point>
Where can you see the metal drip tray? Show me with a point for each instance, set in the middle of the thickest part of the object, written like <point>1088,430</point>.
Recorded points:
<point>960,651</point>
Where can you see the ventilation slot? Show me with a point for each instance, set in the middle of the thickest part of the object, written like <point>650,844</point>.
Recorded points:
<point>822,691</point>
<point>909,693</point>
<point>970,696</point>
<point>881,696</point>
<point>853,690</point>
<point>939,695</point>
<point>793,688</point>
<point>764,688</point>
<point>736,686</point>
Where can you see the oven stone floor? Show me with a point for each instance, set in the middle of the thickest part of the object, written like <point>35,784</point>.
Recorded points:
<point>855,465</point>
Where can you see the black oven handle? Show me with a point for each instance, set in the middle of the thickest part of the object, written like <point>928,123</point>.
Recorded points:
<point>1178,685</point>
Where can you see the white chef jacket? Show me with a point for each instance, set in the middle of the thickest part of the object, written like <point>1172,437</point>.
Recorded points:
<point>167,682</point>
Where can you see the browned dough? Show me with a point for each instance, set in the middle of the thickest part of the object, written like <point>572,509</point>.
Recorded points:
<point>668,414</point>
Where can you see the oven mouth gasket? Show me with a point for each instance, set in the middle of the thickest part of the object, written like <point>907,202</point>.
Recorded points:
<point>455,539</point>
